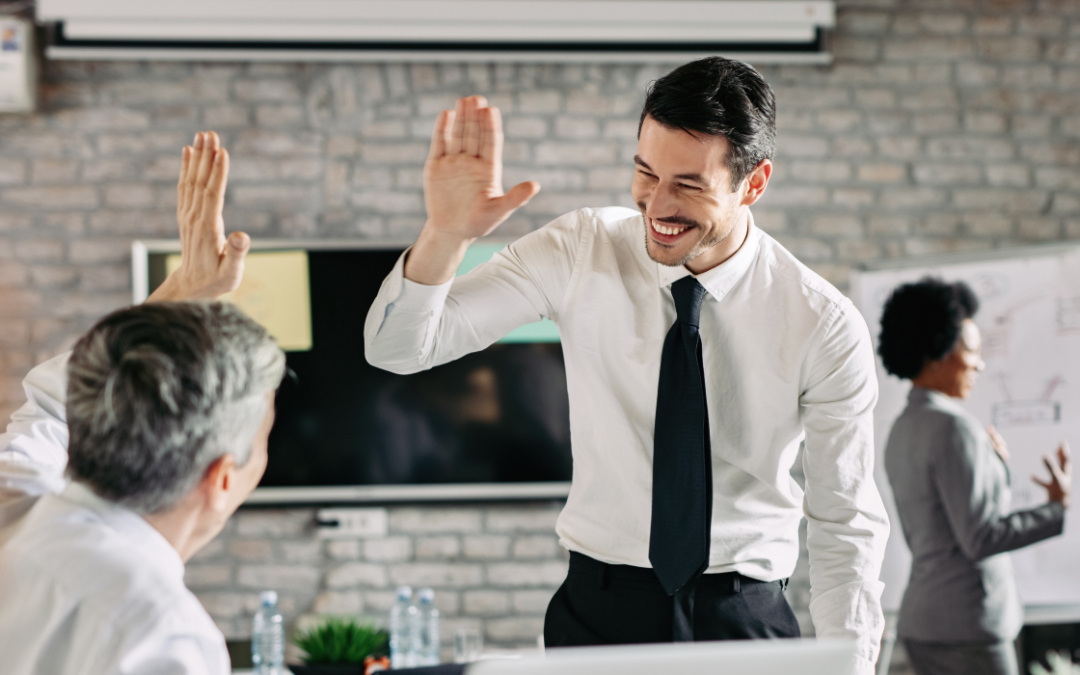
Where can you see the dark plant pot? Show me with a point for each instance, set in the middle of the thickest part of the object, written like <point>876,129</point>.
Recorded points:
<point>355,669</point>
<point>329,669</point>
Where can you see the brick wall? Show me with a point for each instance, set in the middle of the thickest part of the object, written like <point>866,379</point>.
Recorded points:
<point>944,125</point>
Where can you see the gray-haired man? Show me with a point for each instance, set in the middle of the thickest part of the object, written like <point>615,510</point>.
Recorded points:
<point>160,417</point>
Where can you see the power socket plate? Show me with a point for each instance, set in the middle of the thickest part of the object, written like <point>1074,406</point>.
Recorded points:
<point>353,523</point>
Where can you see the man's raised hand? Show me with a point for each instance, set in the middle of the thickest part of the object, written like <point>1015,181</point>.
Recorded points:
<point>211,264</point>
<point>462,189</point>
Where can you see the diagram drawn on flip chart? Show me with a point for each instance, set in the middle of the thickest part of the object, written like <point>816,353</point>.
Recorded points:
<point>1029,317</point>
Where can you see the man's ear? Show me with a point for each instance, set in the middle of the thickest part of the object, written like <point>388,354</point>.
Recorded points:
<point>757,181</point>
<point>217,481</point>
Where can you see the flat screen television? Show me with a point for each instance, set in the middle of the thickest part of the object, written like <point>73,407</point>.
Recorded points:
<point>492,425</point>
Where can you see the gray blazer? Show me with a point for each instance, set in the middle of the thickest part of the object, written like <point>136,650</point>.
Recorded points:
<point>952,493</point>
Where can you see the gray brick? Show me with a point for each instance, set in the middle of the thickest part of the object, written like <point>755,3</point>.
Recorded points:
<point>15,275</point>
<point>226,116</point>
<point>278,116</point>
<point>1008,175</point>
<point>485,603</point>
<point>248,550</point>
<point>266,89</point>
<point>447,575</point>
<point>993,25</point>
<point>392,549</point>
<point>1058,178</point>
<point>486,547</point>
<point>938,225</point>
<point>307,552</point>
<point>94,251</point>
<point>515,629</point>
<point>437,548</point>
<point>52,198</point>
<point>820,172</point>
<point>274,522</point>
<point>207,576</point>
<point>338,602</point>
<point>1040,228</point>
<point>550,152</point>
<point>837,224</point>
<point>439,520</point>
<point>852,197</point>
<point>40,250</point>
<point>1007,201</point>
<point>988,224</point>
<point>10,222</point>
<point>947,174</point>
<point>531,602</point>
<point>222,605</point>
<point>538,546</point>
<point>134,195</point>
<point>278,577</point>
<point>344,549</point>
<point>929,48</point>
<point>357,574</point>
<point>576,127</point>
<point>50,171</point>
<point>521,574</point>
<point>803,146</point>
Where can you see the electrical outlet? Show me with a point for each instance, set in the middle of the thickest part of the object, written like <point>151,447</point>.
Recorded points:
<point>351,523</point>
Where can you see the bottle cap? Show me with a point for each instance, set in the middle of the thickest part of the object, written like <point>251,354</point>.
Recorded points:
<point>268,598</point>
<point>404,593</point>
<point>427,595</point>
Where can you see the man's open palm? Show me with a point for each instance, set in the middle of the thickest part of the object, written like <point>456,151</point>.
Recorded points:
<point>463,174</point>
<point>211,264</point>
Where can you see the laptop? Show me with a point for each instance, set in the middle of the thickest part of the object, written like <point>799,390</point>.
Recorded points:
<point>751,657</point>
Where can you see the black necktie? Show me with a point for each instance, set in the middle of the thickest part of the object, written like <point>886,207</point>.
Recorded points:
<point>682,459</point>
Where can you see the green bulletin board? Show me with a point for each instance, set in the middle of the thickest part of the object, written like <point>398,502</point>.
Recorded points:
<point>541,331</point>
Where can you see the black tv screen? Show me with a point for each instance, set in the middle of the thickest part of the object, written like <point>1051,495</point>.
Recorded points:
<point>499,416</point>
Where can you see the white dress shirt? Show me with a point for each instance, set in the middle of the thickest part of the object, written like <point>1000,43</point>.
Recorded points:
<point>787,359</point>
<point>86,586</point>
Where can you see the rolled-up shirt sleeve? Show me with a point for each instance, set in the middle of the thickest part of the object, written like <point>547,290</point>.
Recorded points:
<point>33,449</point>
<point>35,442</point>
<point>847,525</point>
<point>412,327</point>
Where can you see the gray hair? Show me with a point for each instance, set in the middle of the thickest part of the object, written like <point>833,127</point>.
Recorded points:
<point>158,392</point>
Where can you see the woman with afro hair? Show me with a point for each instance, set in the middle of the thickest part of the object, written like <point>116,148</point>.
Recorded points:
<point>961,610</point>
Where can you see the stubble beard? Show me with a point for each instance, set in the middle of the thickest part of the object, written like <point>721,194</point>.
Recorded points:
<point>699,247</point>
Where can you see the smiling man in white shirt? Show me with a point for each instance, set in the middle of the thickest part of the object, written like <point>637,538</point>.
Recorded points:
<point>700,355</point>
<point>160,418</point>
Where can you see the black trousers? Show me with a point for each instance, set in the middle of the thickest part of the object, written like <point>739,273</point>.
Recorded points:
<point>601,604</point>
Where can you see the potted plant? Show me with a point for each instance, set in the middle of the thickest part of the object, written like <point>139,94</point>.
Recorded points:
<point>338,646</point>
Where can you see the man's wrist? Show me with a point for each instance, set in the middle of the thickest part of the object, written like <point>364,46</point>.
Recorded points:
<point>436,255</point>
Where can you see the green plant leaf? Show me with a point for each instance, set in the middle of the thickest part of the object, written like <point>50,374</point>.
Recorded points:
<point>340,640</point>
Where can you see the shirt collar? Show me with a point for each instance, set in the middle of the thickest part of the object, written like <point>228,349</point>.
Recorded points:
<point>720,279</point>
<point>925,396</point>
<point>128,524</point>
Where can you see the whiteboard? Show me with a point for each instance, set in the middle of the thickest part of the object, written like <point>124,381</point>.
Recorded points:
<point>1029,316</point>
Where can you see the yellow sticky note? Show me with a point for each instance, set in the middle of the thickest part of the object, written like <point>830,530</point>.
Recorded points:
<point>275,292</point>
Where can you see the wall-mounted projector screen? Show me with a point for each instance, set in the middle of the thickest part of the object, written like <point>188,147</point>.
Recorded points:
<point>492,425</point>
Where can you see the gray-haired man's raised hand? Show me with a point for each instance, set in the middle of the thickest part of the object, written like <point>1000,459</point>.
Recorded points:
<point>211,264</point>
<point>462,189</point>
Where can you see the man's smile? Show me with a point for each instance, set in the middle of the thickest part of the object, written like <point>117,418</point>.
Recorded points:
<point>667,233</point>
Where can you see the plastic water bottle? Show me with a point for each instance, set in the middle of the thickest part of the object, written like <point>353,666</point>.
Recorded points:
<point>428,633</point>
<point>268,637</point>
<point>403,619</point>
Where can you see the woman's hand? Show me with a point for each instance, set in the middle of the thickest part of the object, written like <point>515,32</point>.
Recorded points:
<point>1060,483</point>
<point>1000,447</point>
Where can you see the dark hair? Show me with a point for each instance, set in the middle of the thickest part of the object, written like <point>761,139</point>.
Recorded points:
<point>921,322</point>
<point>718,97</point>
<point>157,392</point>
